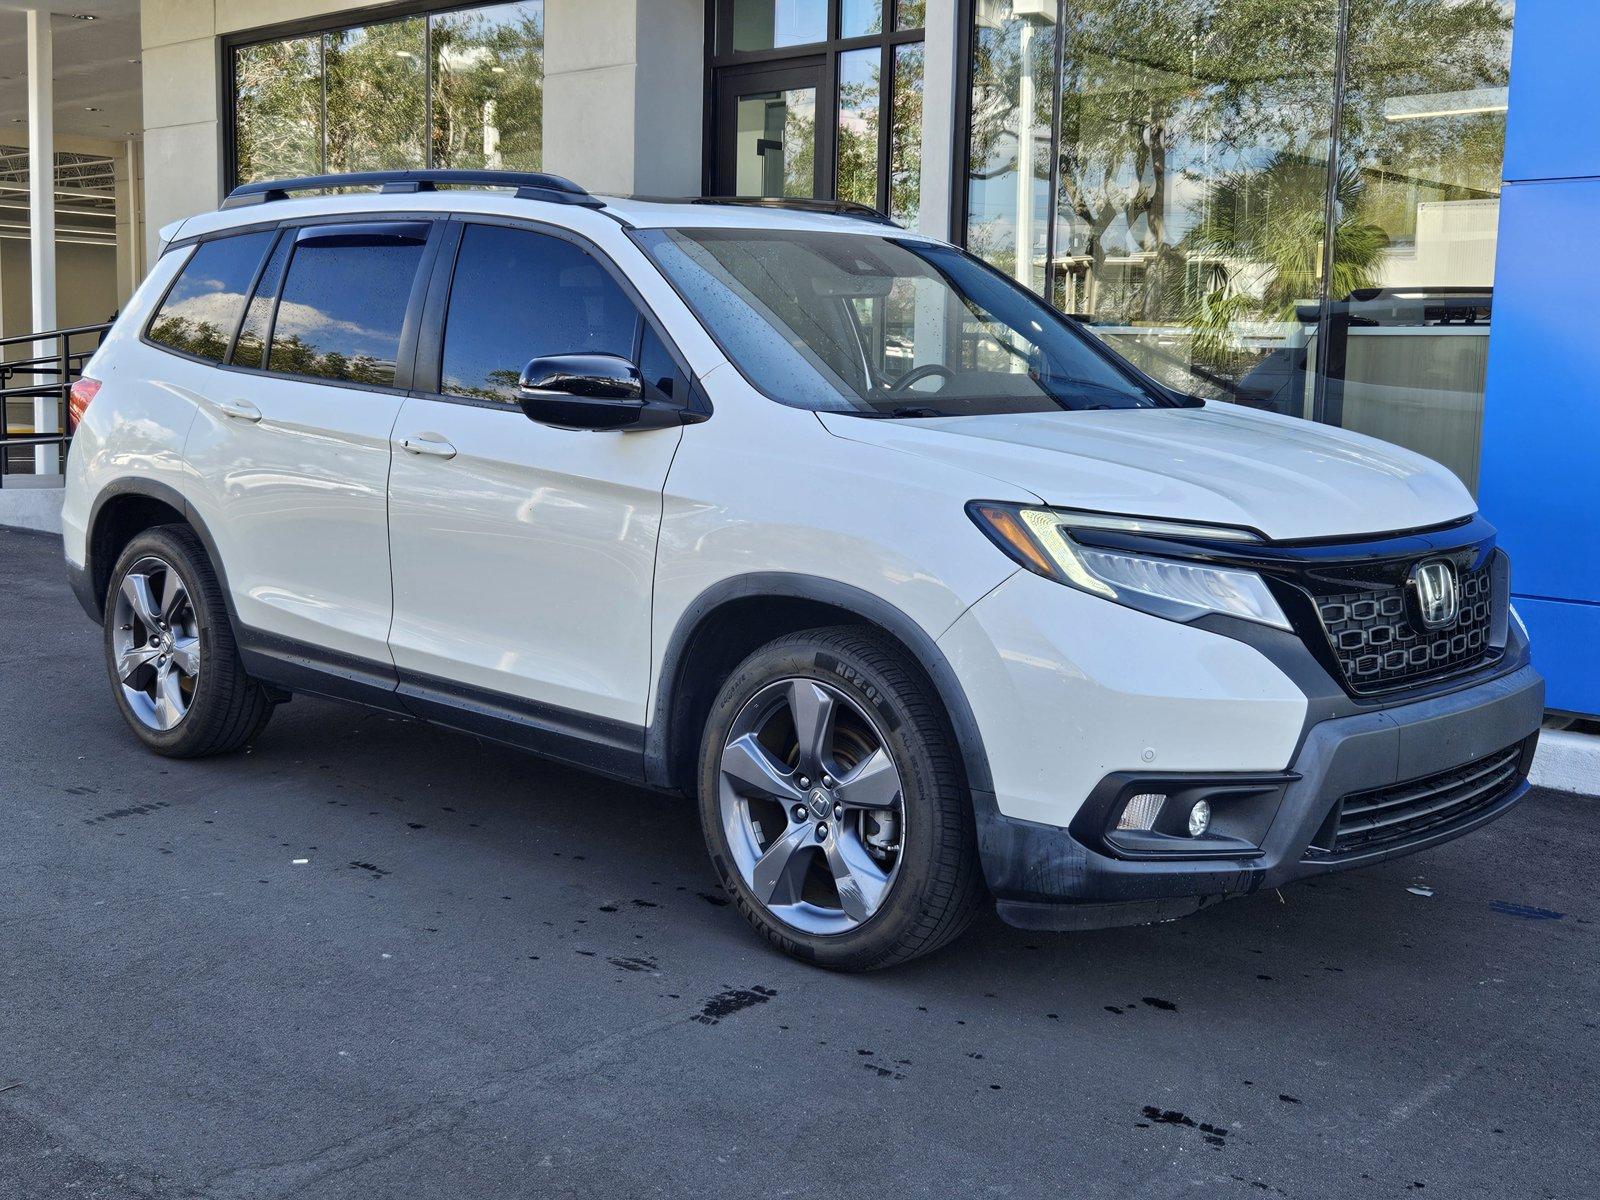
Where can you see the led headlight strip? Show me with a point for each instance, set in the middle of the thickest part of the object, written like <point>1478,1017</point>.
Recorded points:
<point>1041,540</point>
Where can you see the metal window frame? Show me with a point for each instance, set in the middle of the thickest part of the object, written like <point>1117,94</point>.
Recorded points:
<point>723,63</point>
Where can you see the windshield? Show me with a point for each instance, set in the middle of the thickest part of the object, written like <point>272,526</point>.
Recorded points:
<point>883,325</point>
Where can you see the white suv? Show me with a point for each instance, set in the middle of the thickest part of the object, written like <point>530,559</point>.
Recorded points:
<point>924,593</point>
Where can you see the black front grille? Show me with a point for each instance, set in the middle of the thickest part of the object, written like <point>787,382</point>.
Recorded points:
<point>1379,647</point>
<point>1402,812</point>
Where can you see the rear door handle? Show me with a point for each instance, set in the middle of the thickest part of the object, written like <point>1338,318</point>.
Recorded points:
<point>431,444</point>
<point>240,410</point>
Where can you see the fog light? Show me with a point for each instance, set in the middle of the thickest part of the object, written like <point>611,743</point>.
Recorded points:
<point>1141,811</point>
<point>1199,818</point>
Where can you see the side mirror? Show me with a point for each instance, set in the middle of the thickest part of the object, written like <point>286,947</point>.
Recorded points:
<point>589,391</point>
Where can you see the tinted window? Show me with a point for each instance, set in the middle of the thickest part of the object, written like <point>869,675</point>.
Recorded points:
<point>250,349</point>
<point>660,373</point>
<point>519,295</point>
<point>200,312</point>
<point>344,302</point>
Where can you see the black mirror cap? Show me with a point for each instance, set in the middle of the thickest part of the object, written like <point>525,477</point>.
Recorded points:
<point>592,391</point>
<point>593,376</point>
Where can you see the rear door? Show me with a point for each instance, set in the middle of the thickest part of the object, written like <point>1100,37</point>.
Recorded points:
<point>291,453</point>
<point>523,555</point>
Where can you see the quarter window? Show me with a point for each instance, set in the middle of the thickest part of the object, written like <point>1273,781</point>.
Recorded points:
<point>202,308</point>
<point>520,295</point>
<point>344,302</point>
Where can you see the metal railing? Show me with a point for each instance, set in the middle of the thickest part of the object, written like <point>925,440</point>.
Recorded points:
<point>46,377</point>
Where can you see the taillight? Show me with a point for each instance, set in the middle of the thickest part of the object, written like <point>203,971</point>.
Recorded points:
<point>78,399</point>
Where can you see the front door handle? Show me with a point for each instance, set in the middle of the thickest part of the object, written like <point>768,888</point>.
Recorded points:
<point>240,410</point>
<point>431,444</point>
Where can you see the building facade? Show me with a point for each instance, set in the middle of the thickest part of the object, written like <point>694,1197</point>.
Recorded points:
<point>1310,206</point>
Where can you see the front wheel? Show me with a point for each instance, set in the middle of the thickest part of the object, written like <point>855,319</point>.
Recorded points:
<point>833,804</point>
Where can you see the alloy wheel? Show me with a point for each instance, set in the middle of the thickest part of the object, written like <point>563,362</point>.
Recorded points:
<point>812,806</point>
<point>156,643</point>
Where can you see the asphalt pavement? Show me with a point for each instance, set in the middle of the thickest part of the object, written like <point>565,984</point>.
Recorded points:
<point>372,959</point>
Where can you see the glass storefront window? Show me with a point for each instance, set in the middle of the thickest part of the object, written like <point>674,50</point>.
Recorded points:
<point>858,18</point>
<point>859,89</point>
<point>770,24</point>
<point>1421,140</point>
<point>1192,191</point>
<point>775,143</point>
<point>835,114</point>
<point>377,97</point>
<point>278,109</point>
<point>488,94</point>
<point>463,88</point>
<point>905,136</point>
<point>1179,184</point>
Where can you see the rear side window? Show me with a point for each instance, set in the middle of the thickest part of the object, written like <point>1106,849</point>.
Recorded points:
<point>518,295</point>
<point>344,302</point>
<point>202,307</point>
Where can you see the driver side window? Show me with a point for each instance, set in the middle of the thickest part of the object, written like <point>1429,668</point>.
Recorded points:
<point>518,295</point>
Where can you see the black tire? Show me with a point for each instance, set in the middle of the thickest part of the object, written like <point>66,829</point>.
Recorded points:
<point>938,885</point>
<point>227,708</point>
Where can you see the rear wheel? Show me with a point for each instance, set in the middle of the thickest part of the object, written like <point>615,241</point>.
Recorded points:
<point>833,804</point>
<point>170,653</point>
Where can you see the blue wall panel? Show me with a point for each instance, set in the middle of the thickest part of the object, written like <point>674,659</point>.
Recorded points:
<point>1551,131</point>
<point>1540,480</point>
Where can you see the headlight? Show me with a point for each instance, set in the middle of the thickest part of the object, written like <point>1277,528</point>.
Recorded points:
<point>1041,540</point>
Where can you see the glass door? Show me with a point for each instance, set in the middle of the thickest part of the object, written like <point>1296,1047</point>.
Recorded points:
<point>768,143</point>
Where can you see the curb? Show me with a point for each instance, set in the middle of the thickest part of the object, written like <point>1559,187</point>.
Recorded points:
<point>1567,762</point>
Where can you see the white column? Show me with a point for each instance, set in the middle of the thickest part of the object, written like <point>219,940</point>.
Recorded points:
<point>42,216</point>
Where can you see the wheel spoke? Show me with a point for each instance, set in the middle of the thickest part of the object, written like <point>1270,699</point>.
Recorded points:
<point>780,871</point>
<point>813,711</point>
<point>137,589</point>
<point>173,595</point>
<point>186,655</point>
<point>169,698</point>
<point>753,769</point>
<point>860,881</point>
<point>134,657</point>
<point>872,783</point>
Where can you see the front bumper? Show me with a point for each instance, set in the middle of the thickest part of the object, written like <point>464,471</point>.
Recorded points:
<point>1044,876</point>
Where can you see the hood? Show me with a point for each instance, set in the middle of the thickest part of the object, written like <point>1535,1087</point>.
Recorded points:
<point>1288,478</point>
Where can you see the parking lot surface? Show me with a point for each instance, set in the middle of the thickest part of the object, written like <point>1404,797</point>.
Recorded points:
<point>372,959</point>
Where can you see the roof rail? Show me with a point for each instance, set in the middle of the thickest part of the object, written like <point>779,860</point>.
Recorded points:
<point>837,208</point>
<point>530,185</point>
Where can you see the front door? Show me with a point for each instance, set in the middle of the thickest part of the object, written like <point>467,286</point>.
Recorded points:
<point>769,136</point>
<point>524,555</point>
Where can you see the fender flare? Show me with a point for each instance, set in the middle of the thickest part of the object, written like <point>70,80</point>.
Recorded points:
<point>84,582</point>
<point>790,586</point>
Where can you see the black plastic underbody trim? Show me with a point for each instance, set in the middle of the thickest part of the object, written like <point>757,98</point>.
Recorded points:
<point>613,748</point>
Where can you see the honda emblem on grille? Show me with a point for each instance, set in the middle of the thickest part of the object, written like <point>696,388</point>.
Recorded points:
<point>1435,593</point>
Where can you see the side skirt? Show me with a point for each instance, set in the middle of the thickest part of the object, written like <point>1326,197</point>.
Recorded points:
<point>598,744</point>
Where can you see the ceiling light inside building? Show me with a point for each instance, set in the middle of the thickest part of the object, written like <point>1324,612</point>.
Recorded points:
<point>1445,104</point>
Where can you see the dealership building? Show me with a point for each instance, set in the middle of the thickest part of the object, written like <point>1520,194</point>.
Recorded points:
<point>1369,213</point>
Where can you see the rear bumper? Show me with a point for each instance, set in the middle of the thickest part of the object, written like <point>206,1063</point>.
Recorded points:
<point>1043,876</point>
